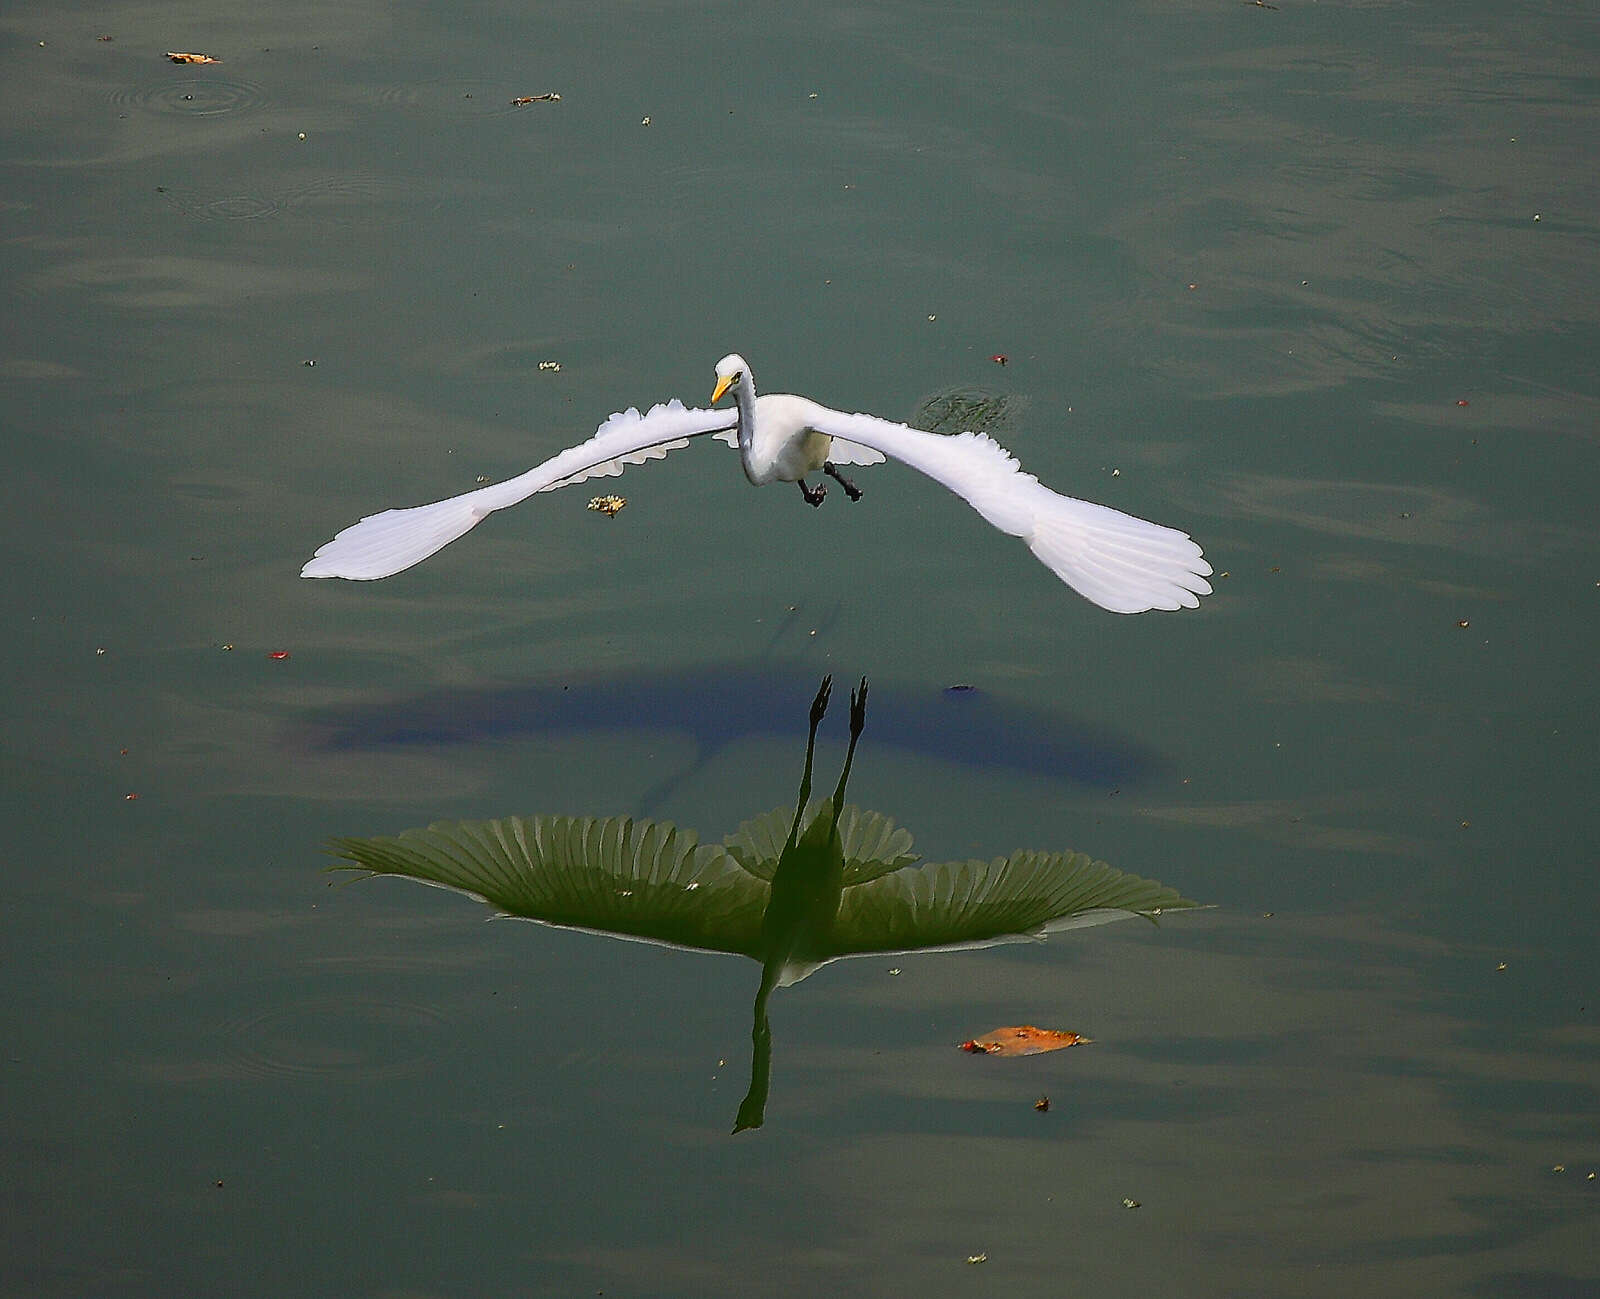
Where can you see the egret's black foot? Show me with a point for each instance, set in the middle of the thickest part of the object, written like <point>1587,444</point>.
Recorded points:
<point>814,495</point>
<point>819,705</point>
<point>850,489</point>
<point>858,709</point>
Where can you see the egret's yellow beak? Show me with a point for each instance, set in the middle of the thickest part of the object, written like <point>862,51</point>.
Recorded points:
<point>723,384</point>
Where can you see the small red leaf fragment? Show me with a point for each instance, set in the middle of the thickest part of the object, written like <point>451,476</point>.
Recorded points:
<point>1461,401</point>
<point>130,798</point>
<point>999,358</point>
<point>278,654</point>
<point>1023,1039</point>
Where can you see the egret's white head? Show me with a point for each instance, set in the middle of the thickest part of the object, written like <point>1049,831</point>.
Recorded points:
<point>730,370</point>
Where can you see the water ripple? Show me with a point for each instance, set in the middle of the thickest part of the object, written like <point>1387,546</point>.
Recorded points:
<point>340,1038</point>
<point>211,96</point>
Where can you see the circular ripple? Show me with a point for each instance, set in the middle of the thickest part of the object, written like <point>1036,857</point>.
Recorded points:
<point>193,97</point>
<point>347,195</point>
<point>232,207</point>
<point>336,1038</point>
<point>407,95</point>
<point>449,99</point>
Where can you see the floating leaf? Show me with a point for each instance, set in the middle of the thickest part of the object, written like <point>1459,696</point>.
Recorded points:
<point>178,57</point>
<point>1024,1039</point>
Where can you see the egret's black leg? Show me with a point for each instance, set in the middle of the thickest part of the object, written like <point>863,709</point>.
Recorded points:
<point>850,489</point>
<point>813,495</point>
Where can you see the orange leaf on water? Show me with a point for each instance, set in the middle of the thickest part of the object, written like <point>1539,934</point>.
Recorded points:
<point>178,57</point>
<point>1024,1039</point>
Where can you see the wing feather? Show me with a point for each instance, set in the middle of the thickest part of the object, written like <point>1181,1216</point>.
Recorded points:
<point>381,545</point>
<point>1121,563</point>
<point>942,906</point>
<point>633,879</point>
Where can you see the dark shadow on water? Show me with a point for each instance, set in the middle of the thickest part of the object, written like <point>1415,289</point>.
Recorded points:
<point>724,704</point>
<point>1537,1285</point>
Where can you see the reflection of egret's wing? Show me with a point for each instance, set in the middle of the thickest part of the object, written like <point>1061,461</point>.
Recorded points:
<point>632,879</point>
<point>1123,564</point>
<point>873,844</point>
<point>386,543</point>
<point>944,905</point>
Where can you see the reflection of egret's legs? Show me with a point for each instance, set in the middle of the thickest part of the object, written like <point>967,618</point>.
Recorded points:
<point>858,720</point>
<point>819,707</point>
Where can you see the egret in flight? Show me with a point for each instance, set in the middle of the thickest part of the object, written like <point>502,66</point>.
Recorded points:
<point>1119,562</point>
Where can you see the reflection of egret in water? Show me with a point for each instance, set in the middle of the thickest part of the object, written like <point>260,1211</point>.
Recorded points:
<point>790,890</point>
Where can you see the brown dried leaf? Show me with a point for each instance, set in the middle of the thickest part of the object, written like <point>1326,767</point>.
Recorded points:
<point>1023,1039</point>
<point>178,57</point>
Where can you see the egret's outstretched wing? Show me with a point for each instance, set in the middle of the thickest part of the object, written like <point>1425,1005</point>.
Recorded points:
<point>1121,563</point>
<point>387,543</point>
<point>630,879</point>
<point>946,905</point>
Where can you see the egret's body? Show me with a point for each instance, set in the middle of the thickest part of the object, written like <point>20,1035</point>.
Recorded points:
<point>786,448</point>
<point>1121,563</point>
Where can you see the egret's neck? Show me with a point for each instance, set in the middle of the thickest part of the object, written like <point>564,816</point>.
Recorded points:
<point>744,397</point>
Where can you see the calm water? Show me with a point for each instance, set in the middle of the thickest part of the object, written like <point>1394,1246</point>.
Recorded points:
<point>1316,283</point>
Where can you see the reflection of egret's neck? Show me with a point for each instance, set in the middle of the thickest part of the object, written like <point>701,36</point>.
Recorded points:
<point>753,1109</point>
<point>807,887</point>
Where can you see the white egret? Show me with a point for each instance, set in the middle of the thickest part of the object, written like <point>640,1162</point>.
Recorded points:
<point>1119,562</point>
